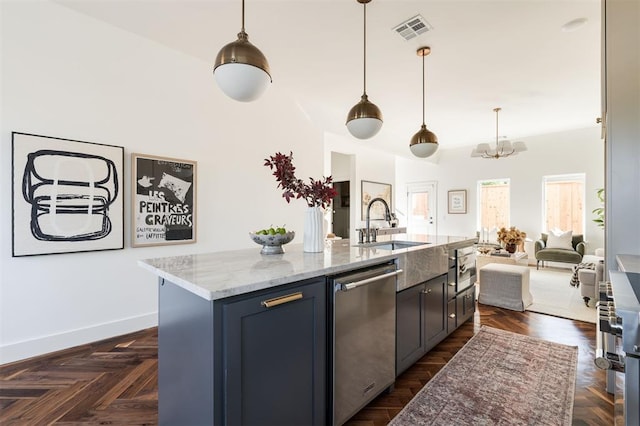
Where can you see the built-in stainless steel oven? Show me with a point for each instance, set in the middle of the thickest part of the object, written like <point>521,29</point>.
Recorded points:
<point>465,267</point>
<point>618,338</point>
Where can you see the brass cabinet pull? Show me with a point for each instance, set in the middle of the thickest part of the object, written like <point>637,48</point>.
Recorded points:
<point>427,291</point>
<point>453,284</point>
<point>281,300</point>
<point>452,315</point>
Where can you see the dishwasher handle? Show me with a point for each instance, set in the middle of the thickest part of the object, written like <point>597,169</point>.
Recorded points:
<point>356,284</point>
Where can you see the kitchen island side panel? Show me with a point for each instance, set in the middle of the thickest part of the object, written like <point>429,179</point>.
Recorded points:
<point>185,358</point>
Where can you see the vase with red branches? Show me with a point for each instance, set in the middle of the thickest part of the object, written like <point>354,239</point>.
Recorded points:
<point>316,193</point>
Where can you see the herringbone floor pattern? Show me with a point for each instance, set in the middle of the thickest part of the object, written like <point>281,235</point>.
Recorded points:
<point>115,381</point>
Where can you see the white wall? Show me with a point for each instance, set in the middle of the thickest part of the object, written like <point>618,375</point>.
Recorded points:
<point>69,76</point>
<point>370,164</point>
<point>578,151</point>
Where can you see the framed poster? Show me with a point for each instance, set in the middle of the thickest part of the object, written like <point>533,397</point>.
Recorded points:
<point>66,194</point>
<point>163,206</point>
<point>370,191</point>
<point>457,201</point>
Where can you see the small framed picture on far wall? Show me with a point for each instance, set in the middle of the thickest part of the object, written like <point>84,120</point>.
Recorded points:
<point>457,201</point>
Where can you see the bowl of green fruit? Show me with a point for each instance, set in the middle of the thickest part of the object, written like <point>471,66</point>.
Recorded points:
<point>272,239</point>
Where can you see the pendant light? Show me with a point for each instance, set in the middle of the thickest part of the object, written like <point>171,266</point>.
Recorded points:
<point>502,149</point>
<point>424,143</point>
<point>241,70</point>
<point>365,119</point>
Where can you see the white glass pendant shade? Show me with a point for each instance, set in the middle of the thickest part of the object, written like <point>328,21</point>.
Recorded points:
<point>482,149</point>
<point>241,70</point>
<point>365,119</point>
<point>519,146</point>
<point>364,128</point>
<point>424,143</point>
<point>505,146</point>
<point>242,82</point>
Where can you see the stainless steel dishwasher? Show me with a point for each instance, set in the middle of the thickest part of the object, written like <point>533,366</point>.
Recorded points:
<point>364,344</point>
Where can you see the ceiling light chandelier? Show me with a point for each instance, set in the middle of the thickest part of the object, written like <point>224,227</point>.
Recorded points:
<point>365,119</point>
<point>241,70</point>
<point>424,143</point>
<point>502,149</point>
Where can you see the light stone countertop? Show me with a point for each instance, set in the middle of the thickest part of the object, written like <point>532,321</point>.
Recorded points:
<point>218,275</point>
<point>629,262</point>
<point>626,287</point>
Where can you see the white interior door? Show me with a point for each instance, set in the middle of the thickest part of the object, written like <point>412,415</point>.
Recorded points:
<point>422,210</point>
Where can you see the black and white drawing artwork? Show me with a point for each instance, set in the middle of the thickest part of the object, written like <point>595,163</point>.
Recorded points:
<point>163,200</point>
<point>67,195</point>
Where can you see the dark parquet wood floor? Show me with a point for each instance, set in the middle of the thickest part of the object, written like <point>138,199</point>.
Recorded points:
<point>115,381</point>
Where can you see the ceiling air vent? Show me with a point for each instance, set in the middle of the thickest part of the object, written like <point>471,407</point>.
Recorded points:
<point>413,27</point>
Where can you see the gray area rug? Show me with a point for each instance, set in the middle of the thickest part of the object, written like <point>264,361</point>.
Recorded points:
<point>552,295</point>
<point>499,378</point>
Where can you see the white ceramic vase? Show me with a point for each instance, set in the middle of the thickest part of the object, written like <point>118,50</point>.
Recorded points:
<point>313,237</point>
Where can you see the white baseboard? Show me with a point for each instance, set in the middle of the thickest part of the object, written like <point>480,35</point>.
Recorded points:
<point>55,342</point>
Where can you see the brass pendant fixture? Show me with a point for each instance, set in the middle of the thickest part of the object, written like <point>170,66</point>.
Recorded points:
<point>424,143</point>
<point>364,119</point>
<point>241,69</point>
<point>503,148</point>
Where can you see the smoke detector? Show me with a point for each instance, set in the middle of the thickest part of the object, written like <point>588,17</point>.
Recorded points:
<point>413,27</point>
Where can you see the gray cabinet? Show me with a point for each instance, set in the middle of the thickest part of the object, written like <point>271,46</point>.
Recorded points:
<point>274,351</point>
<point>410,340</point>
<point>255,359</point>
<point>420,320</point>
<point>435,311</point>
<point>465,304</point>
<point>428,312</point>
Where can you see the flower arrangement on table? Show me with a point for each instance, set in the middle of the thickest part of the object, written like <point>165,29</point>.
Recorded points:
<point>316,193</point>
<point>511,237</point>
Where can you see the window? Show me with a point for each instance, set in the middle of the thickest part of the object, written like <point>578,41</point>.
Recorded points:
<point>564,203</point>
<point>493,203</point>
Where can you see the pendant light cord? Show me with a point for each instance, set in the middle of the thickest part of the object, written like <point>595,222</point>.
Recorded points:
<point>497,147</point>
<point>423,97</point>
<point>243,16</point>
<point>364,90</point>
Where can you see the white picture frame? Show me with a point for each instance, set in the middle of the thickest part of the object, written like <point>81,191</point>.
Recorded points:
<point>457,201</point>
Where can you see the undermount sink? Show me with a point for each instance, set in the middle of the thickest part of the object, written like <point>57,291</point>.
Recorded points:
<point>391,245</point>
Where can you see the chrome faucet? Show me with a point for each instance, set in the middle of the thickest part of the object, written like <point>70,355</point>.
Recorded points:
<point>387,216</point>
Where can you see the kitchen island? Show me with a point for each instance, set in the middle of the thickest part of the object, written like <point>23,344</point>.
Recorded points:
<point>245,338</point>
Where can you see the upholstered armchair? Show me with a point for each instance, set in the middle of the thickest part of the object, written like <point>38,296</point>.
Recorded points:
<point>589,278</point>
<point>554,254</point>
